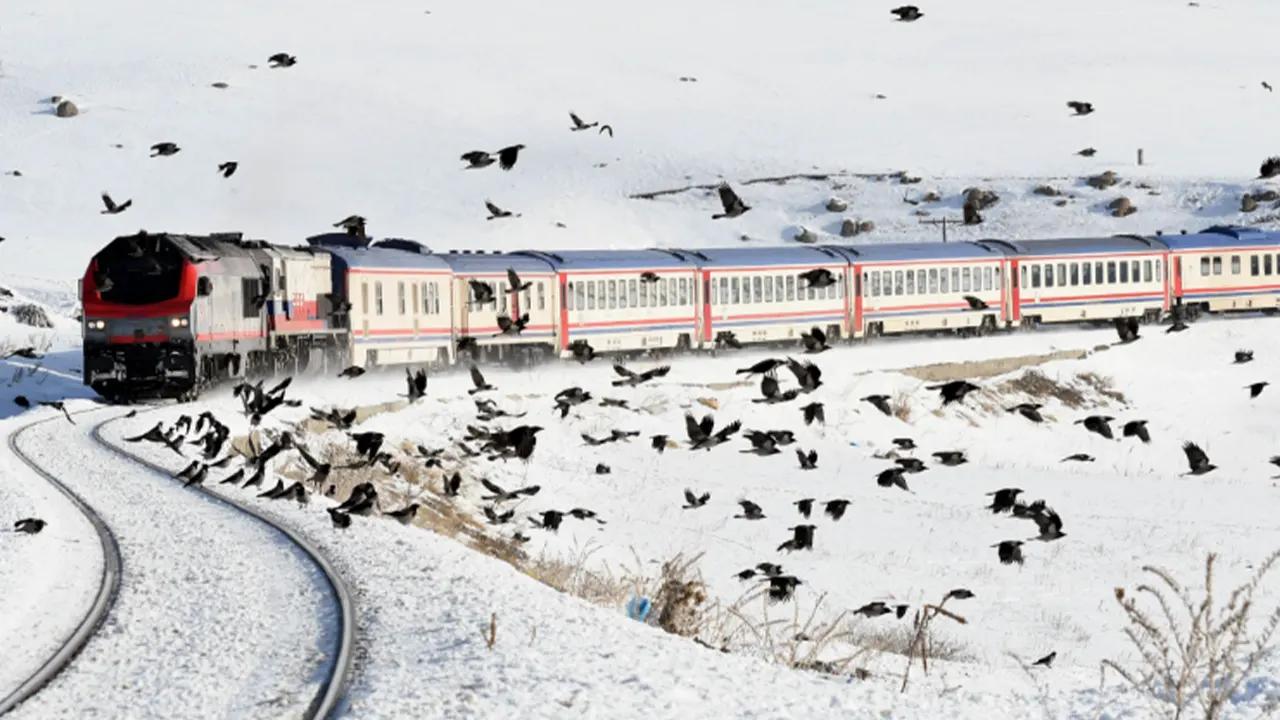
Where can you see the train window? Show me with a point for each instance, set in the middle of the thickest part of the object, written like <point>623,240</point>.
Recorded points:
<point>1217,264</point>
<point>1111,272</point>
<point>415,300</point>
<point>987,278</point>
<point>1062,274</point>
<point>1137,277</point>
<point>757,289</point>
<point>920,276</point>
<point>897,282</point>
<point>364,298</point>
<point>1075,274</point>
<point>1253,265</point>
<point>611,292</point>
<point>1146,271</point>
<point>888,282</point>
<point>768,288</point>
<point>1266,264</point>
<point>377,298</point>
<point>526,299</point>
<point>808,293</point>
<point>1024,277</point>
<point>780,285</point>
<point>1235,264</point>
<point>502,296</point>
<point>840,287</point>
<point>966,279</point>
<point>622,294</point>
<point>1086,274</point>
<point>1124,272</point>
<point>996,273</point>
<point>400,297</point>
<point>1035,276</point>
<point>911,283</point>
<point>684,291</point>
<point>653,294</point>
<point>591,295</point>
<point>578,291</point>
<point>248,292</point>
<point>1048,275</point>
<point>955,279</point>
<point>735,288</point>
<point>791,288</point>
<point>871,281</point>
<point>1204,266</point>
<point>1159,275</point>
<point>1097,273</point>
<point>542,296</point>
<point>933,281</point>
<point>633,290</point>
<point>944,286</point>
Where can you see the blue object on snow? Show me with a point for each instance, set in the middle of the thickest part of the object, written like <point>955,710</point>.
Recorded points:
<point>638,608</point>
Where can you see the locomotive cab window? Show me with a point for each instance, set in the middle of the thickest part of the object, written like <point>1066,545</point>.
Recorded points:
<point>250,289</point>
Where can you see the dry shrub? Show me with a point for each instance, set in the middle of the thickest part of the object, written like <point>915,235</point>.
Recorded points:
<point>1101,385</point>
<point>1037,385</point>
<point>901,406</point>
<point>570,574</point>
<point>1194,654</point>
<point>680,601</point>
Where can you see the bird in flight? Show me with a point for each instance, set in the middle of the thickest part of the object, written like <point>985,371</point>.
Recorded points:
<point>112,208</point>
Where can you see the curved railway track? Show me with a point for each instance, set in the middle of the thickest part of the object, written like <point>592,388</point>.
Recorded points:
<point>108,585</point>
<point>337,668</point>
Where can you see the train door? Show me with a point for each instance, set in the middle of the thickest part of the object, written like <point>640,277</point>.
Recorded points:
<point>856,291</point>
<point>562,282</point>
<point>704,311</point>
<point>1015,294</point>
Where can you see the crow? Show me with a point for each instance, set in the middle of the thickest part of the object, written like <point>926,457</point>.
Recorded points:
<point>954,391</point>
<point>1138,429</point>
<point>881,403</point>
<point>353,224</point>
<point>762,443</point>
<point>452,484</point>
<point>352,372</point>
<point>496,212</point>
<point>1003,500</point>
<point>595,442</point>
<point>339,518</point>
<point>320,471</point>
<point>112,208</point>
<point>1080,108</point>
<point>282,60</point>
<point>569,398</point>
<point>809,460</point>
<point>507,156</point>
<point>164,149</point>
<point>1267,86</point>
<point>904,443</point>
<point>782,587</point>
<point>550,520</point>
<point>782,437</point>
<point>726,338</point>
<point>227,169</point>
<point>477,379</point>
<point>769,569</point>
<point>21,401</point>
<point>976,303</point>
<point>477,159</point>
<point>584,514</point>
<point>1197,459</point>
<point>198,476</point>
<point>910,464</point>
<point>959,594</point>
<point>255,480</point>
<point>495,518</point>
<point>951,458</point>
<point>907,13</point>
<point>1255,389</point>
<point>60,407</point>
<point>733,205</point>
<point>1099,424</point>
<point>1270,168</point>
<point>614,402</point>
<point>801,538</point>
<point>482,291</point>
<point>649,276</point>
<point>873,609</point>
<point>835,508</point>
<point>1047,660</point>
<point>818,278</point>
<point>658,442</point>
<point>1243,356</point>
<point>1078,457</point>
<point>578,124</point>
<point>29,526</point>
<point>772,393</point>
<point>746,574</point>
<point>602,469</point>
<point>750,511</point>
<point>500,495</point>
<point>814,341</point>
<point>1087,152</point>
<point>700,433</point>
<point>417,384</point>
<point>582,351</point>
<point>274,492</point>
<point>631,379</point>
<point>509,326</point>
<point>233,478</point>
<point>814,412</point>
<point>692,501</point>
<point>805,506</point>
<point>1009,551</point>
<point>606,129</point>
<point>807,374</point>
<point>1030,411</point>
<point>1050,525</point>
<point>891,477</point>
<point>763,367</point>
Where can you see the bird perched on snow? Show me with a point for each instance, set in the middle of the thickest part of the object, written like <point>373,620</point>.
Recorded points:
<point>1138,429</point>
<point>814,341</point>
<point>954,391</point>
<point>1078,457</point>
<point>1197,459</point>
<point>782,587</point>
<point>692,501</point>
<point>1270,168</point>
<point>496,212</point>
<point>834,509</point>
<point>750,511</point>
<point>282,60</point>
<point>29,526</point>
<point>417,384</point>
<point>809,460</point>
<point>112,208</point>
<point>910,464</point>
<point>1047,660</point>
<point>352,372</point>
<point>733,205</point>
<point>727,339</point>
<point>477,379</point>
<point>880,402</point>
<point>1243,356</point>
<point>1009,552</point>
<point>582,351</point>
<point>164,149</point>
<point>658,442</point>
<point>1049,523</point>
<point>1080,108</point>
<point>907,13</point>
<point>227,169</point>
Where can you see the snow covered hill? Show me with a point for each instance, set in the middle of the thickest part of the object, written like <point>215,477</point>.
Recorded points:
<point>386,95</point>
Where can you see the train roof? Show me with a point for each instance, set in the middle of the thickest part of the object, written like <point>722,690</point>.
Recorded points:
<point>1222,236</point>
<point>769,255</point>
<point>615,259</point>
<point>354,255</point>
<point>494,262</point>
<point>1117,244</point>
<point>890,252</point>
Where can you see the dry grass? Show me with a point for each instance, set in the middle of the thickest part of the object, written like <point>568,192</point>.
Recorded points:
<point>975,369</point>
<point>1037,385</point>
<point>901,406</point>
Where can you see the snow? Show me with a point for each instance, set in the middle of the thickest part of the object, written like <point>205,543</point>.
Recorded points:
<point>386,95</point>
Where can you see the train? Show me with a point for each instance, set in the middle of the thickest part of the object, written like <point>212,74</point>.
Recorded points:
<point>168,314</point>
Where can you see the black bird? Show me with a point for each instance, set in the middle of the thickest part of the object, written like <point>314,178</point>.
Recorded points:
<point>233,478</point>
<point>814,341</point>
<point>452,485</point>
<point>750,511</point>
<point>1009,551</point>
<point>353,224</point>
<point>29,526</point>
<point>60,407</point>
<point>550,520</point>
<point>1127,329</point>
<point>606,129</point>
<point>514,283</point>
<point>496,212</point>
<point>1047,660</point>
<point>602,469</point>
<point>765,366</point>
<point>649,277</point>
<point>891,477</point>
<point>22,402</point>
<point>769,569</point>
<point>801,538</point>
<point>976,303</point>
<point>733,205</point>
<point>954,391</point>
<point>1050,525</point>
<point>907,13</point>
<point>805,506</point>
<point>692,501</point>
<point>569,398</point>
<point>496,518</point>
<point>1270,168</point>
<point>1243,356</point>
<point>339,518</point>
<point>582,351</point>
<point>112,207</point>
<point>814,412</point>
<point>1078,457</point>
<point>631,378</point>
<point>352,372</point>
<point>700,433</point>
<point>951,458</point>
<point>164,149</point>
<point>904,443</point>
<point>198,476</point>
<point>477,159</point>
<point>727,338</point>
<point>881,403</point>
<point>482,292</point>
<point>477,379</point>
<point>417,384</point>
<point>255,480</point>
<point>1255,389</point>
<point>512,326</point>
<point>782,587</point>
<point>762,443</point>
<point>873,609</point>
<point>1003,500</point>
<point>578,124</point>
<point>1080,108</point>
<point>1138,429</point>
<point>835,508</point>
<point>1030,411</point>
<point>910,464</point>
<point>507,156</point>
<point>228,168</point>
<point>500,495</point>
<point>282,60</point>
<point>1196,458</point>
<point>809,460</point>
<point>960,594</point>
<point>772,393</point>
<point>1087,152</point>
<point>746,574</point>
<point>658,442</point>
<point>614,402</point>
<point>1267,86</point>
<point>807,374</point>
<point>818,278</point>
<point>274,492</point>
<point>1100,424</point>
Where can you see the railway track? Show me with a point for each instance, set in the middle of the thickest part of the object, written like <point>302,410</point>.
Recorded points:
<point>336,670</point>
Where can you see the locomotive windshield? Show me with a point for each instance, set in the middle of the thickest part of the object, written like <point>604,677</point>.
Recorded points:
<point>139,270</point>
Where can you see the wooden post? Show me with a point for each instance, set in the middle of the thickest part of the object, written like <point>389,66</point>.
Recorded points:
<point>1139,156</point>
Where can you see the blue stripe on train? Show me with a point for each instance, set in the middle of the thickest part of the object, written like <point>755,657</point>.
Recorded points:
<point>1159,297</point>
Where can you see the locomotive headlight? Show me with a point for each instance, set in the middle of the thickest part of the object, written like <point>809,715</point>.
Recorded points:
<point>97,324</point>
<point>178,322</point>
